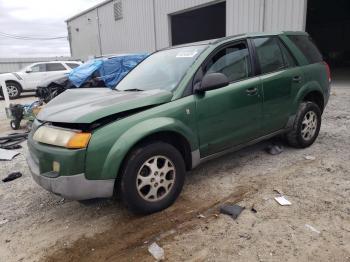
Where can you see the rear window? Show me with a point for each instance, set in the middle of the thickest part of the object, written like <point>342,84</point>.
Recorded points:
<point>307,47</point>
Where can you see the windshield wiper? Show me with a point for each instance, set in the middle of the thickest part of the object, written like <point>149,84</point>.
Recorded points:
<point>132,90</point>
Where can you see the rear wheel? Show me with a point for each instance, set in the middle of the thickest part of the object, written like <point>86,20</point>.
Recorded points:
<point>306,126</point>
<point>13,89</point>
<point>152,177</point>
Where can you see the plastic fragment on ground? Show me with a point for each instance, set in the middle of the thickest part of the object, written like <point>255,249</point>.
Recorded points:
<point>312,228</point>
<point>232,210</point>
<point>7,154</point>
<point>283,201</point>
<point>156,251</point>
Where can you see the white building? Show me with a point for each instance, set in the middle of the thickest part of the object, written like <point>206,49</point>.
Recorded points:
<point>125,26</point>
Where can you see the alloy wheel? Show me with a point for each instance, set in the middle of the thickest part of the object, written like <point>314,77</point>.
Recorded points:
<point>155,178</point>
<point>12,91</point>
<point>309,125</point>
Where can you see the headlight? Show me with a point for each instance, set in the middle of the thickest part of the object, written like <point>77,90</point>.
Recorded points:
<point>62,137</point>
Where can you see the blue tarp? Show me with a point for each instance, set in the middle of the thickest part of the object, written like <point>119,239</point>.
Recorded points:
<point>111,70</point>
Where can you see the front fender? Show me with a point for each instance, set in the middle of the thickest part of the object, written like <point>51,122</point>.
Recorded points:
<point>138,132</point>
<point>9,77</point>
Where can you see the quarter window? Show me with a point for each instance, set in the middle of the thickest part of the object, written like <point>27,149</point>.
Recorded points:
<point>269,54</point>
<point>307,47</point>
<point>232,61</point>
<point>72,65</point>
<point>55,67</point>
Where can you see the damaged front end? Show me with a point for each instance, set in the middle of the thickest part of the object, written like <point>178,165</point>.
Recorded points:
<point>59,144</point>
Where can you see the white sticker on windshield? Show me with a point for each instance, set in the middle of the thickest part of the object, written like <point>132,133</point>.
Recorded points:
<point>187,53</point>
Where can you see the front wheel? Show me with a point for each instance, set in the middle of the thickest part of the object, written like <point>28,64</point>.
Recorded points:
<point>306,126</point>
<point>13,89</point>
<point>152,177</point>
<point>15,124</point>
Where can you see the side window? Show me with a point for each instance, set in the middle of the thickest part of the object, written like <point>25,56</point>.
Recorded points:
<point>289,60</point>
<point>307,47</point>
<point>269,54</point>
<point>39,68</point>
<point>232,61</point>
<point>72,65</point>
<point>55,67</point>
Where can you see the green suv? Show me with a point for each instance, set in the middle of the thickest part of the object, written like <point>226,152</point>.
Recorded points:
<point>178,108</point>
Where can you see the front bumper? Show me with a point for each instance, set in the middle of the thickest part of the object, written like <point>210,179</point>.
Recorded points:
<point>74,187</point>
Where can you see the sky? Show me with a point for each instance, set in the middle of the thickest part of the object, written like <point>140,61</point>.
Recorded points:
<point>37,18</point>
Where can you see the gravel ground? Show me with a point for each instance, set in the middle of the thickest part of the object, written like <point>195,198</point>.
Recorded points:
<point>36,225</point>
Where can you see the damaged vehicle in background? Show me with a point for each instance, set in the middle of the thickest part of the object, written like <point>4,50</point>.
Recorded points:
<point>178,108</point>
<point>27,79</point>
<point>99,72</point>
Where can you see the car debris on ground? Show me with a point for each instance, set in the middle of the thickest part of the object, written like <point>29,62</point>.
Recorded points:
<point>283,201</point>
<point>7,154</point>
<point>274,149</point>
<point>312,228</point>
<point>253,209</point>
<point>232,210</point>
<point>156,251</point>
<point>12,141</point>
<point>3,222</point>
<point>311,158</point>
<point>12,177</point>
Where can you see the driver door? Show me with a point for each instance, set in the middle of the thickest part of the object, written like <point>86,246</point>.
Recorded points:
<point>230,115</point>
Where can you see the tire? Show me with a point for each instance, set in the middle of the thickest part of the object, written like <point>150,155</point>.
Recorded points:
<point>306,126</point>
<point>166,178</point>
<point>14,124</point>
<point>13,89</point>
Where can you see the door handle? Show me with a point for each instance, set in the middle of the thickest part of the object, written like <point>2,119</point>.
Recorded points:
<point>297,79</point>
<point>251,91</point>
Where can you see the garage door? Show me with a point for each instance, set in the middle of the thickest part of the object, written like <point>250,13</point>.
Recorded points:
<point>328,23</point>
<point>204,23</point>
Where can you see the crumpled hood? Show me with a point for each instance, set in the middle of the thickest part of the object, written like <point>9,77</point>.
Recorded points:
<point>88,105</point>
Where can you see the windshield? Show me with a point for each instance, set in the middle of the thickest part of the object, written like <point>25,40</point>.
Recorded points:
<point>162,70</point>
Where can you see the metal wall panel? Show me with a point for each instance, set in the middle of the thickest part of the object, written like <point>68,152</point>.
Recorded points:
<point>285,15</point>
<point>133,33</point>
<point>244,16</point>
<point>84,35</point>
<point>145,25</point>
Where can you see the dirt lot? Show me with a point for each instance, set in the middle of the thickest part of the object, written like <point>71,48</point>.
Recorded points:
<point>41,226</point>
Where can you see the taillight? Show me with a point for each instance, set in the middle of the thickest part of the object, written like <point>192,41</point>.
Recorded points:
<point>328,71</point>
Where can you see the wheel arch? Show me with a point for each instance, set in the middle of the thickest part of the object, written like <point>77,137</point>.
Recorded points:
<point>316,97</point>
<point>160,129</point>
<point>310,92</point>
<point>14,81</point>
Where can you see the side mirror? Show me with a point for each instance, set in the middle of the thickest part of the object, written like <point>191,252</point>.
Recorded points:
<point>212,81</point>
<point>29,70</point>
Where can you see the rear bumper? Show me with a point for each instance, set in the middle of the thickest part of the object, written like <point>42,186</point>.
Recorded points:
<point>74,187</point>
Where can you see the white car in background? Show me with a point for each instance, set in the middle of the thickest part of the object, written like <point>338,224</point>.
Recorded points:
<point>28,78</point>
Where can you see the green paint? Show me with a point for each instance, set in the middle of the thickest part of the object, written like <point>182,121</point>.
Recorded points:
<point>211,122</point>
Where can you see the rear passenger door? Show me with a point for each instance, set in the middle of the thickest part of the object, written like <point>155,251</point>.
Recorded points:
<point>54,69</point>
<point>280,79</point>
